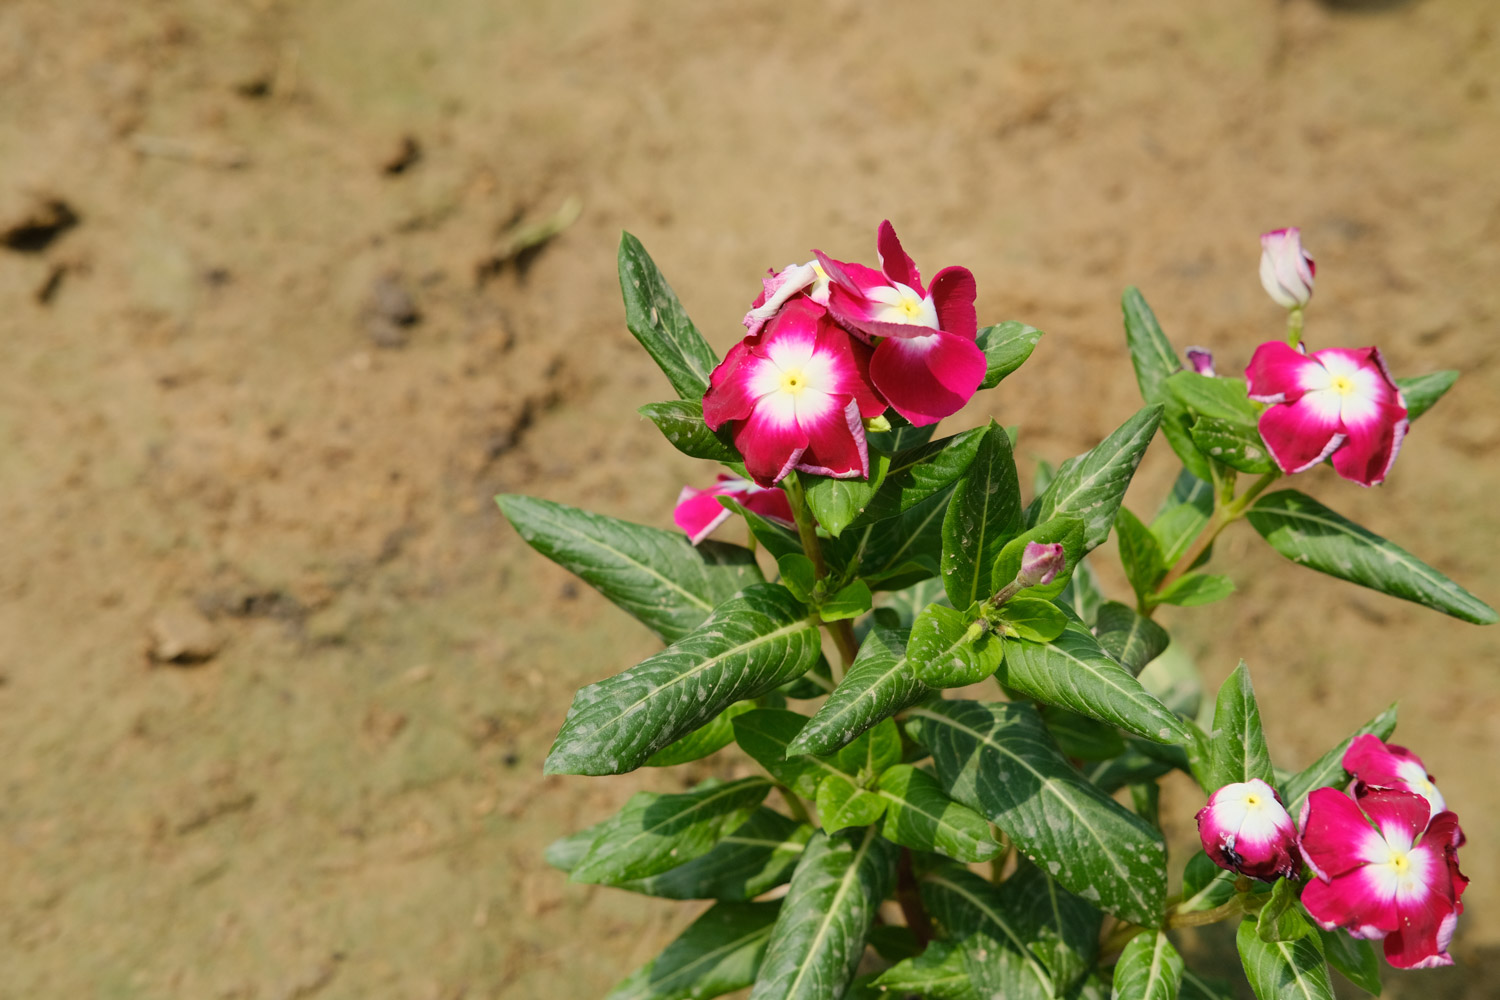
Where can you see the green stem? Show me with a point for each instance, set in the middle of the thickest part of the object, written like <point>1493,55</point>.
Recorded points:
<point>795,804</point>
<point>1225,513</point>
<point>1294,326</point>
<point>807,530</point>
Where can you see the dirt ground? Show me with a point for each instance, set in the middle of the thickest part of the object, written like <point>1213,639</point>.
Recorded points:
<point>267,355</point>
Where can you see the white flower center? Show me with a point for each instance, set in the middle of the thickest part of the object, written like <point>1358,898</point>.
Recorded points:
<point>901,304</point>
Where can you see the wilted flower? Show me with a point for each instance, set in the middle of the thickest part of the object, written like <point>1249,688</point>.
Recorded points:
<point>1376,764</point>
<point>926,361</point>
<point>1384,871</point>
<point>797,393</point>
<point>1201,360</point>
<point>1041,563</point>
<point>698,512</point>
<point>1245,829</point>
<point>779,288</point>
<point>1335,402</point>
<point>1286,270</point>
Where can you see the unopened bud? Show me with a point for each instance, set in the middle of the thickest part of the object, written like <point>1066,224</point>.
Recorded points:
<point>1040,564</point>
<point>1201,360</point>
<point>1245,829</point>
<point>1286,270</point>
<point>877,425</point>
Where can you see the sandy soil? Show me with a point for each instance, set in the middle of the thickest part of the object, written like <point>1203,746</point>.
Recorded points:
<point>258,394</point>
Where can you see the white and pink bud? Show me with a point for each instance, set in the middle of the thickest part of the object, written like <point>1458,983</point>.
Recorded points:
<point>1201,360</point>
<point>1246,829</point>
<point>1286,270</point>
<point>1040,564</point>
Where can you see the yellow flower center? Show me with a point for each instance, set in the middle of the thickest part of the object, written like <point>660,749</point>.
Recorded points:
<point>1400,863</point>
<point>1252,800</point>
<point>912,308</point>
<point>1342,384</point>
<point>793,381</point>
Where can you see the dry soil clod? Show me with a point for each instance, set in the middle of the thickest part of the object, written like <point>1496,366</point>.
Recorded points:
<point>183,636</point>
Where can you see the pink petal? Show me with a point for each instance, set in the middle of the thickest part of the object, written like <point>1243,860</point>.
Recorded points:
<point>1399,815</point>
<point>698,512</point>
<point>1276,373</point>
<point>1299,434</point>
<point>776,291</point>
<point>894,261</point>
<point>851,360</point>
<point>1370,449</point>
<point>1354,901</point>
<point>953,292</point>
<point>1444,830</point>
<point>1424,947</point>
<point>929,377</point>
<point>729,396</point>
<point>837,449</point>
<point>770,504</point>
<point>854,278</point>
<point>770,447</point>
<point>1376,762</point>
<point>1336,837</point>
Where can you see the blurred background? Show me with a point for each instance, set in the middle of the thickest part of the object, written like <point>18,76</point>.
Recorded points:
<point>280,317</point>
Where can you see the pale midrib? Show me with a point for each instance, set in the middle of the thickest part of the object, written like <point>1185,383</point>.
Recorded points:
<point>1086,484</point>
<point>851,875</point>
<point>1000,922</point>
<point>672,584</point>
<point>1404,558</point>
<point>915,532</point>
<point>984,520</point>
<point>1146,703</point>
<point>937,818</point>
<point>1285,951</point>
<point>726,791</point>
<point>1156,954</point>
<point>728,948</point>
<point>831,721</point>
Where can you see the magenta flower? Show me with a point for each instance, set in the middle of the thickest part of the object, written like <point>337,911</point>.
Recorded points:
<point>1286,270</point>
<point>1041,563</point>
<point>1384,871</point>
<point>1335,402</point>
<point>1245,829</point>
<point>798,393</point>
<point>779,288</point>
<point>926,361</point>
<point>698,512</point>
<point>1201,360</point>
<point>1376,764</point>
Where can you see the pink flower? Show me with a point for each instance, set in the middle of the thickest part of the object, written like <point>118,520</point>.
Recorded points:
<point>926,361</point>
<point>1384,871</point>
<point>1201,360</point>
<point>798,393</point>
<point>1245,829</point>
<point>1376,764</point>
<point>1336,402</point>
<point>779,288</point>
<point>698,512</point>
<point>1040,564</point>
<point>1286,270</point>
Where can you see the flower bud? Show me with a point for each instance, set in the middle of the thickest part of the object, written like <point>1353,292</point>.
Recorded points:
<point>1040,564</point>
<point>1245,829</point>
<point>1201,360</point>
<point>1286,270</point>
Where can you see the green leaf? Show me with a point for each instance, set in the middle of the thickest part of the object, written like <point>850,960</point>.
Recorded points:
<point>1214,396</point>
<point>893,942</point>
<point>894,553</point>
<point>752,644</point>
<point>1234,443</point>
<point>778,539</point>
<point>1032,619</point>
<point>1140,554</point>
<point>1283,970</point>
<point>1129,768</point>
<point>850,602</point>
<point>879,684</point>
<point>1181,521</point>
<point>1306,532</point>
<point>920,815</point>
<point>950,648</point>
<point>1060,929</point>
<point>901,436</point>
<point>1090,486</point>
<point>657,576</point>
<point>1082,593</point>
<point>1194,589</point>
<point>1281,919</point>
<point>712,738</point>
<point>939,973</point>
<point>875,750</point>
<point>918,473</point>
<point>1080,737</point>
<point>1194,987</point>
<point>1132,639</point>
<point>658,321</point>
<point>1006,347</point>
<point>1421,392</point>
<point>984,514</point>
<point>1173,678</point>
<point>1205,885</point>
<point>999,760</point>
<point>1329,768</point>
<point>842,803</point>
<point>681,423</point>
<point>970,909</point>
<point>1069,531</point>
<point>797,575</point>
<point>1239,745</point>
<point>1354,958</point>
<point>765,734</point>
<point>656,832</point>
<point>1155,361</point>
<point>758,856</point>
<point>836,503</point>
<point>1149,969</point>
<point>719,953</point>
<point>828,911</point>
<point>1075,672</point>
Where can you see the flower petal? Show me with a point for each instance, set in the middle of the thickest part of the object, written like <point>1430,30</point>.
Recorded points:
<point>698,512</point>
<point>770,444</point>
<point>894,261</point>
<point>770,504</point>
<point>1355,901</point>
<point>850,363</point>
<point>1336,836</point>
<point>1399,815</point>
<point>730,395</point>
<point>1299,434</point>
<point>953,292</point>
<point>776,291</point>
<point>837,448</point>
<point>929,377</point>
<point>1277,372</point>
<point>1420,940</point>
<point>1370,449</point>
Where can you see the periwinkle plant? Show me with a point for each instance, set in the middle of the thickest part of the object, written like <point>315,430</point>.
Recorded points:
<point>920,562</point>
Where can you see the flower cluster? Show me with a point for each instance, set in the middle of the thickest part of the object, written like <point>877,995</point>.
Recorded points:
<point>1383,857</point>
<point>832,344</point>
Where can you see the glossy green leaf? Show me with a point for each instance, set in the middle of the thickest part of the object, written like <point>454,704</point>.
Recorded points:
<point>939,973</point>
<point>950,648</point>
<point>656,832</point>
<point>1280,919</point>
<point>1131,638</point>
<point>1234,443</point>
<point>681,423</point>
<point>1080,737</point>
<point>1214,396</point>
<point>1060,928</point>
<point>1149,969</point>
<point>1006,347</point>
<point>752,644</point>
<point>1195,987</point>
<point>1082,593</point>
<point>872,752</point>
<point>1205,886</point>
<point>851,601</point>
<point>878,684</point>
<point>918,473</point>
<point>901,436</point>
<point>1308,533</point>
<point>842,803</point>
<point>712,738</point>
<point>1355,959</point>
<point>972,910</point>
<point>1090,486</point>
<point>1422,391</point>
<point>758,856</point>
<point>1155,361</point>
<point>1184,517</point>
<point>719,953</point>
<point>797,575</point>
<point>1283,970</point>
<point>1075,672</point>
<point>826,914</point>
<point>984,514</point>
<point>1128,768</point>
<point>893,942</point>
<point>657,576</point>
<point>999,760</point>
<point>836,503</point>
<point>1032,619</point>
<point>656,319</point>
<point>899,551</point>
<point>1069,531</point>
<point>1239,746</point>
<point>999,971</point>
<point>1140,554</point>
<point>765,734</point>
<point>1194,589</point>
<point>920,815</point>
<point>777,539</point>
<point>1329,768</point>
<point>1174,679</point>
